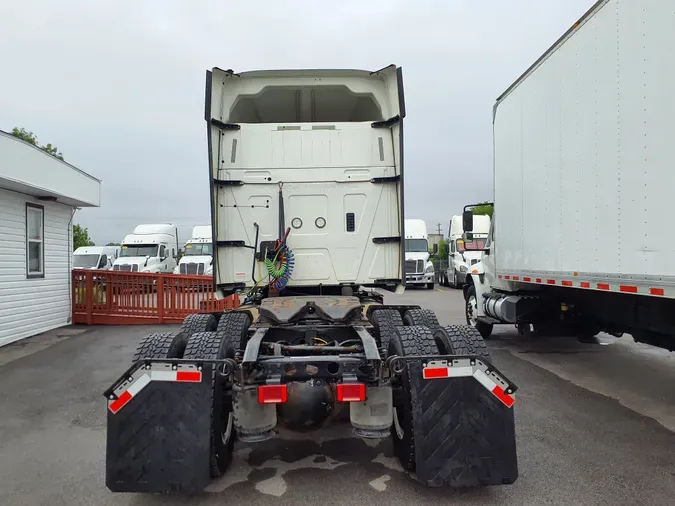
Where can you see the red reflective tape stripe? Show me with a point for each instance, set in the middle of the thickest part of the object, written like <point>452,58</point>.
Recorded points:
<point>566,283</point>
<point>435,372</point>
<point>502,396</point>
<point>603,286</point>
<point>656,291</point>
<point>500,276</point>
<point>585,284</point>
<point>551,281</point>
<point>507,277</point>
<point>527,280</point>
<point>120,402</point>
<point>628,289</point>
<point>538,280</point>
<point>516,278</point>
<point>189,376</point>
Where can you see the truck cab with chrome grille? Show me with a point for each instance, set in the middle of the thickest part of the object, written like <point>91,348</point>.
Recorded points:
<point>419,271</point>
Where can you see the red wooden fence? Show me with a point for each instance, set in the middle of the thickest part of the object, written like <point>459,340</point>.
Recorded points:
<point>129,298</point>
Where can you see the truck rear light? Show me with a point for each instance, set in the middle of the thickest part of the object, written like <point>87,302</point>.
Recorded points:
<point>272,394</point>
<point>351,392</point>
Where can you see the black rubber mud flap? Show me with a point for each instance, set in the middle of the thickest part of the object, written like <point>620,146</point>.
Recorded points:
<point>464,435</point>
<point>158,441</point>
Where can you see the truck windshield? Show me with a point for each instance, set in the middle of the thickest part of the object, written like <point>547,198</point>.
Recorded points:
<point>198,249</point>
<point>84,261</point>
<point>139,250</point>
<point>478,244</point>
<point>416,245</point>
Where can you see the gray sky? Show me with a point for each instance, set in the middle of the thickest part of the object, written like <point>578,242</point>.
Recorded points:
<point>118,86</point>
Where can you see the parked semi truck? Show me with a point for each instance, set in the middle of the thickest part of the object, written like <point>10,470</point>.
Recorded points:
<point>95,257</point>
<point>150,248</point>
<point>419,270</point>
<point>307,209</point>
<point>461,257</point>
<point>583,184</point>
<point>197,256</point>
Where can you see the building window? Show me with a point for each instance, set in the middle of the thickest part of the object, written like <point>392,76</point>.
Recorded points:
<point>35,247</point>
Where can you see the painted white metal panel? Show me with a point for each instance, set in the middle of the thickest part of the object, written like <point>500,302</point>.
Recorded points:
<point>583,150</point>
<point>31,306</point>
<point>28,169</point>
<point>309,132</point>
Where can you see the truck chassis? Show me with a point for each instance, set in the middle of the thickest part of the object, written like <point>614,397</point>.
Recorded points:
<point>301,362</point>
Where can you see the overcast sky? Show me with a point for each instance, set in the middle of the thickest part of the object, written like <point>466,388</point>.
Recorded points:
<point>118,86</point>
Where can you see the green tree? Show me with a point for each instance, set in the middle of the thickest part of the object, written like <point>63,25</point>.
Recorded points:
<point>442,249</point>
<point>114,244</point>
<point>31,138</point>
<point>81,237</point>
<point>483,208</point>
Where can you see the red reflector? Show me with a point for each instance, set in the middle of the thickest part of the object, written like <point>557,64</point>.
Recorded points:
<point>603,286</point>
<point>500,276</point>
<point>351,392</point>
<point>272,394</point>
<point>628,289</point>
<point>551,281</point>
<point>189,376</point>
<point>119,403</point>
<point>566,283</point>
<point>507,277</point>
<point>502,396</point>
<point>526,279</point>
<point>656,291</point>
<point>585,284</point>
<point>435,372</point>
<point>538,280</point>
<point>516,278</point>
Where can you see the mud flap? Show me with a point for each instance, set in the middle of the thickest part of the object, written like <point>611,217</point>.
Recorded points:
<point>158,434</point>
<point>464,434</point>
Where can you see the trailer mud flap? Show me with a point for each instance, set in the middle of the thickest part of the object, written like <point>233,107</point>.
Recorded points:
<point>464,426</point>
<point>158,429</point>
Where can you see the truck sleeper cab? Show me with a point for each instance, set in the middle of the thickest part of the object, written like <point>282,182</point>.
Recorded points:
<point>151,248</point>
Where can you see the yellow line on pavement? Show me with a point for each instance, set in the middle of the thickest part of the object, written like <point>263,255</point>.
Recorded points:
<point>439,290</point>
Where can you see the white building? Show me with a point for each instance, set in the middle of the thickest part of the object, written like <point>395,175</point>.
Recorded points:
<point>38,198</point>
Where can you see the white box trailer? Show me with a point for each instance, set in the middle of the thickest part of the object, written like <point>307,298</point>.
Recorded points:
<point>583,180</point>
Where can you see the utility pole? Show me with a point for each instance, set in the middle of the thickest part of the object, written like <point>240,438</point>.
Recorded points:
<point>439,229</point>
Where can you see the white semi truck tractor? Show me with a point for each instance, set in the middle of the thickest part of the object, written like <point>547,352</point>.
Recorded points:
<point>583,185</point>
<point>306,173</point>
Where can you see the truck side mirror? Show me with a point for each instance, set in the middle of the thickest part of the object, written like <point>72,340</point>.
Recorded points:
<point>467,220</point>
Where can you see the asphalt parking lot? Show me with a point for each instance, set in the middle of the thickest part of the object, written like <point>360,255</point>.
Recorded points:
<point>595,425</point>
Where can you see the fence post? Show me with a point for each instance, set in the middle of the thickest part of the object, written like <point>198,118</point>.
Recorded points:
<point>160,297</point>
<point>89,293</point>
<point>73,285</point>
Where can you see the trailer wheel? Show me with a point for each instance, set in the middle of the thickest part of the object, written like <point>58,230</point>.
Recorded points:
<point>160,345</point>
<point>406,341</point>
<point>471,311</point>
<point>461,340</point>
<point>200,322</point>
<point>213,346</point>
<point>423,317</point>
<point>235,325</point>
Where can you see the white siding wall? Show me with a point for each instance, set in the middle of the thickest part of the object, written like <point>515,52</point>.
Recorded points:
<point>31,306</point>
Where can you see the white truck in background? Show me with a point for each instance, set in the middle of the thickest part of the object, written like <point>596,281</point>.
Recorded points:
<point>583,185</point>
<point>460,259</point>
<point>150,248</point>
<point>419,270</point>
<point>197,256</point>
<point>95,257</point>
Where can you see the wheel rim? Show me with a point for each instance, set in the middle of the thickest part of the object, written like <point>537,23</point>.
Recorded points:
<point>397,426</point>
<point>471,310</point>
<point>225,436</point>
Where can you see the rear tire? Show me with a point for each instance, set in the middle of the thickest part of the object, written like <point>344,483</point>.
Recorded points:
<point>160,345</point>
<point>213,346</point>
<point>424,317</point>
<point>407,341</point>
<point>461,340</point>
<point>235,325</point>
<point>383,319</point>
<point>471,308</point>
<point>200,322</point>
